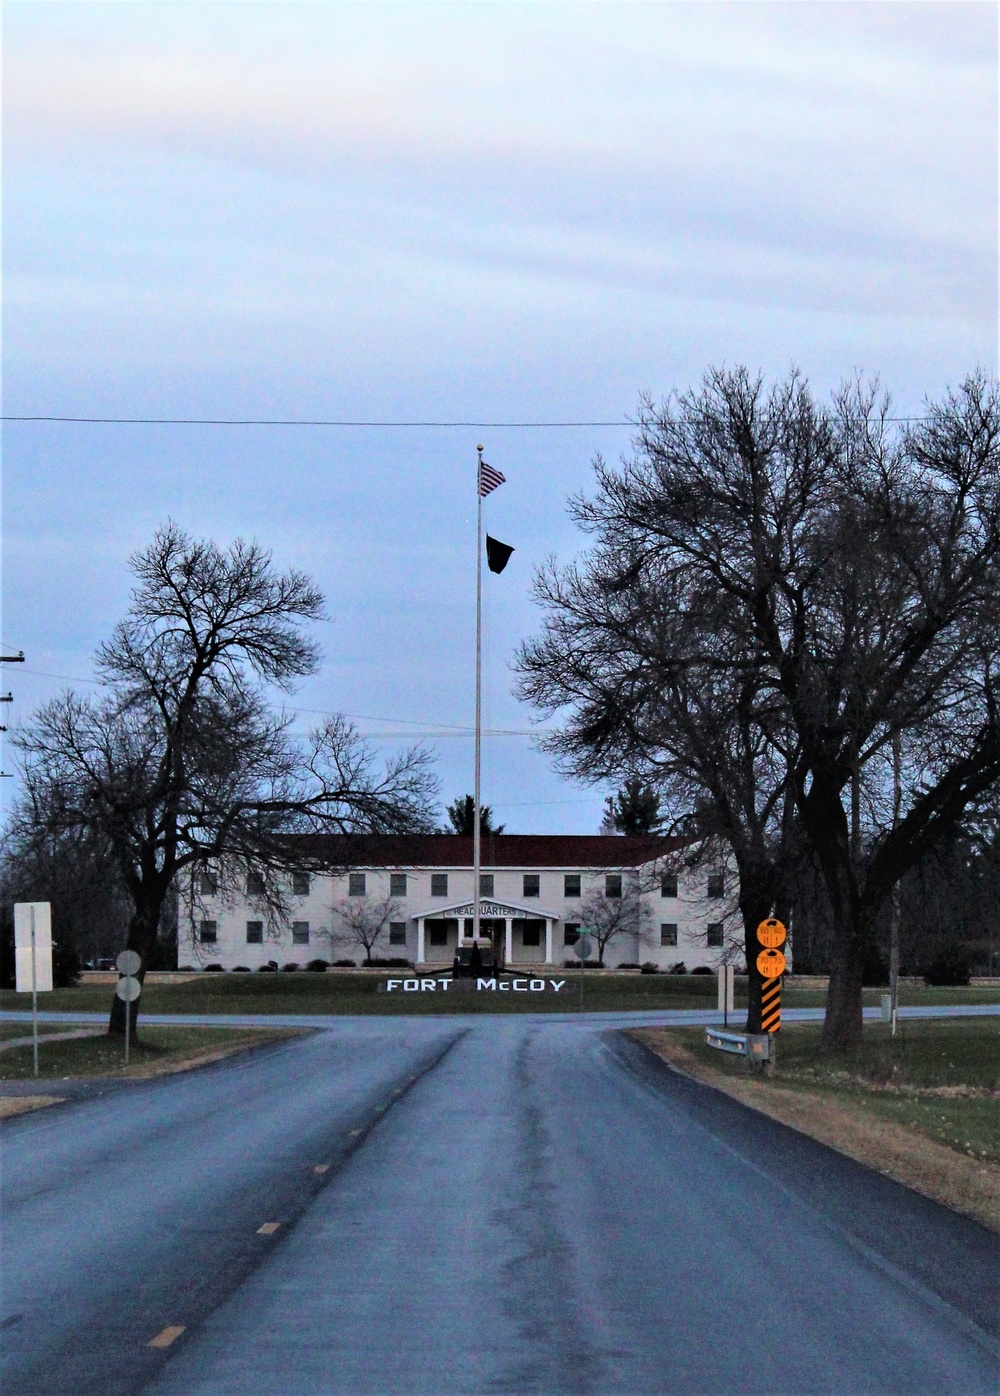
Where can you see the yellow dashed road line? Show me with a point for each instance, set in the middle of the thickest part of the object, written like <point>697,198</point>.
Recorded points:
<point>166,1336</point>
<point>268,1229</point>
<point>321,1168</point>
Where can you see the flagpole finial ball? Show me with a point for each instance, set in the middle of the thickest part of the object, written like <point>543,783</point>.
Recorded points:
<point>479,448</point>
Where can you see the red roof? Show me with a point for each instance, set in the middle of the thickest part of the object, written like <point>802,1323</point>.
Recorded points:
<point>498,850</point>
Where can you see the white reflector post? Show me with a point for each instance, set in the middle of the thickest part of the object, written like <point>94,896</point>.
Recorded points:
<point>37,917</point>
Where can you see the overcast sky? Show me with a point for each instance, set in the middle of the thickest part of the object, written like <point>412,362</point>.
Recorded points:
<point>454,212</point>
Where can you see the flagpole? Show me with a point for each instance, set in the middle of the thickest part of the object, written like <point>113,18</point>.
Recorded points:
<point>476,846</point>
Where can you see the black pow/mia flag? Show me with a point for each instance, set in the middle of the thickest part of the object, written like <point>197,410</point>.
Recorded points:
<point>497,554</point>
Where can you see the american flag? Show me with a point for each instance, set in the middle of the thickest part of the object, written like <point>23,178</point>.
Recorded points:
<point>488,479</point>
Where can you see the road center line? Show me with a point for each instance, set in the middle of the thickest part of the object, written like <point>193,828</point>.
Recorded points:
<point>268,1229</point>
<point>166,1336</point>
<point>321,1168</point>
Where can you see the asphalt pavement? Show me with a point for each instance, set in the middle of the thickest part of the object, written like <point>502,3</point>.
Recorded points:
<point>481,1204</point>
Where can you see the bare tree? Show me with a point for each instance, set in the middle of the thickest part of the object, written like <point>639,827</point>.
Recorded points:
<point>818,585</point>
<point>361,922</point>
<point>608,918</point>
<point>181,762</point>
<point>648,678</point>
<point>74,871</point>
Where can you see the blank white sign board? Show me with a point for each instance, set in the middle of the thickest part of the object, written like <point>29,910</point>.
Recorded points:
<point>37,916</point>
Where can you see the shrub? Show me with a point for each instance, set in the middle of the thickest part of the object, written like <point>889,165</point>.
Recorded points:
<point>393,962</point>
<point>241,969</point>
<point>649,968</point>
<point>628,964</point>
<point>290,968</point>
<point>703,969</point>
<point>213,969</point>
<point>951,967</point>
<point>679,968</point>
<point>344,964</point>
<point>270,968</point>
<point>185,969</point>
<point>317,966</point>
<point>65,966</point>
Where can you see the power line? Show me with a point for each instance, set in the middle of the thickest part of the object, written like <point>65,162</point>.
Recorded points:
<point>437,729</point>
<point>325,422</point>
<point>288,422</point>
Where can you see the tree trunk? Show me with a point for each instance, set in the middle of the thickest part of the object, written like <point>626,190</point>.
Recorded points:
<point>842,1025</point>
<point>141,938</point>
<point>835,843</point>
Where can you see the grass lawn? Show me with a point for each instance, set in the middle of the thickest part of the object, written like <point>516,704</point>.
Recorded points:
<point>359,993</point>
<point>14,1030</point>
<point>356,993</point>
<point>158,1050</point>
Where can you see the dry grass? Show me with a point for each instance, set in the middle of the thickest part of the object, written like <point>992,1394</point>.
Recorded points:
<point>21,1104</point>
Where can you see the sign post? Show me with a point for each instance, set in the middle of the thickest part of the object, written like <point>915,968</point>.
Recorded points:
<point>727,991</point>
<point>582,948</point>
<point>33,958</point>
<point>128,988</point>
<point>771,966</point>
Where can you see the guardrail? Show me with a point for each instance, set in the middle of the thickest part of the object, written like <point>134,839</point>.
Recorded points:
<point>755,1046</point>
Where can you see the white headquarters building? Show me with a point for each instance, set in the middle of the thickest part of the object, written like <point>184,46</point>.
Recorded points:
<point>536,891</point>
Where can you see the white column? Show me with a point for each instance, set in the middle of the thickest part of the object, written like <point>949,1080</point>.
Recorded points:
<point>548,941</point>
<point>509,947</point>
<point>420,940</point>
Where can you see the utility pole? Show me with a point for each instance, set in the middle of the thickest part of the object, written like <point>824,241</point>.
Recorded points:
<point>895,906</point>
<point>9,697</point>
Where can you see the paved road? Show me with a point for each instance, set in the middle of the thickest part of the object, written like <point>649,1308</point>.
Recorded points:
<point>508,1204</point>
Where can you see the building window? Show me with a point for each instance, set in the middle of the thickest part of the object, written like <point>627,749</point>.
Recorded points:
<point>715,933</point>
<point>571,885</point>
<point>208,933</point>
<point>397,932</point>
<point>356,884</point>
<point>486,884</point>
<point>668,885</point>
<point>571,933</point>
<point>532,885</point>
<point>668,933</point>
<point>439,884</point>
<point>300,932</point>
<point>397,884</point>
<point>613,885</point>
<point>255,933</point>
<point>300,884</point>
<point>716,884</point>
<point>255,884</point>
<point>208,882</point>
